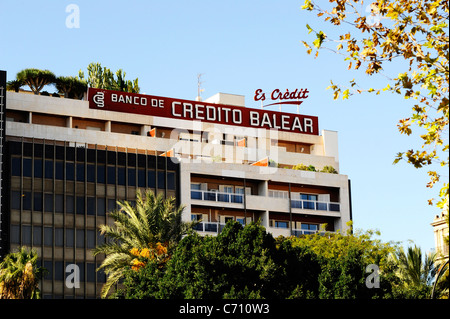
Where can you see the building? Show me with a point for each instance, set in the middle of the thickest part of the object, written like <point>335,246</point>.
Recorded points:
<point>66,162</point>
<point>440,230</point>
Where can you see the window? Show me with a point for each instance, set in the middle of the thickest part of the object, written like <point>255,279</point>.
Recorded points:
<point>26,235</point>
<point>48,265</point>
<point>69,237</point>
<point>80,172</point>
<point>101,174</point>
<point>80,205</point>
<point>91,173</point>
<point>15,234</point>
<point>141,178</point>
<point>91,205</point>
<point>111,204</point>
<point>70,204</point>
<point>111,175</point>
<point>37,205</point>
<point>161,180</point>
<point>196,217</point>
<point>80,238</point>
<point>151,178</point>
<point>90,238</point>
<point>37,168</point>
<point>131,177</point>
<point>59,270</point>
<point>59,170</point>
<point>37,235</point>
<point>101,211</point>
<point>281,224</point>
<point>26,200</point>
<point>15,200</point>
<point>59,237</point>
<point>27,167</point>
<point>309,201</point>
<point>15,166</point>
<point>171,180</point>
<point>59,203</point>
<point>48,202</point>
<point>305,226</point>
<point>121,175</point>
<point>90,269</point>
<point>48,236</point>
<point>48,169</point>
<point>278,194</point>
<point>70,172</point>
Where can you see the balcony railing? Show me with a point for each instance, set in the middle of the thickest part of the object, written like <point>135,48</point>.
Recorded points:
<point>213,227</point>
<point>217,196</point>
<point>315,205</point>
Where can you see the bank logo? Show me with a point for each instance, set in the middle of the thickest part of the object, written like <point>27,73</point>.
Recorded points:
<point>99,99</point>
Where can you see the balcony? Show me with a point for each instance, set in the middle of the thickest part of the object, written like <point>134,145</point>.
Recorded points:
<point>214,196</point>
<point>315,205</point>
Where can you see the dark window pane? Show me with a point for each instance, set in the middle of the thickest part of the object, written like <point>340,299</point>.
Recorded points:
<point>15,166</point>
<point>81,267</point>
<point>59,237</point>
<point>69,237</point>
<point>69,204</point>
<point>15,234</point>
<point>48,264</point>
<point>70,172</point>
<point>101,206</point>
<point>121,175</point>
<point>131,177</point>
<point>91,205</point>
<point>48,236</point>
<point>26,200</point>
<point>59,170</point>
<point>170,180</point>
<point>90,239</point>
<point>59,203</point>
<point>80,205</point>
<point>80,172</point>
<point>48,202</point>
<point>59,270</point>
<point>141,178</point>
<point>48,169</point>
<point>15,200</point>
<point>26,235</point>
<point>90,269</point>
<point>101,174</point>
<point>111,204</point>
<point>37,205</point>
<point>37,168</point>
<point>27,167</point>
<point>151,178</point>
<point>80,238</point>
<point>111,175</point>
<point>37,235</point>
<point>161,180</point>
<point>91,173</point>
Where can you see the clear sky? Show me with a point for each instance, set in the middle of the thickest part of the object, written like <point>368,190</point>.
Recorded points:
<point>238,46</point>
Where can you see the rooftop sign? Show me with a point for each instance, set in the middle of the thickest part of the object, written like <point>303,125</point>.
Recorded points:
<point>200,111</point>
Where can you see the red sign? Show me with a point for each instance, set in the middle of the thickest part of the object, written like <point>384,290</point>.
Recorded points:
<point>201,111</point>
<point>278,95</point>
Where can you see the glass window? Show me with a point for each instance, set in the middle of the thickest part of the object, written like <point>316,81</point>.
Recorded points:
<point>59,203</point>
<point>27,167</point>
<point>80,238</point>
<point>111,175</point>
<point>161,180</point>
<point>305,226</point>
<point>48,236</point>
<point>15,234</point>
<point>26,235</point>
<point>170,180</point>
<point>48,169</point>
<point>91,205</point>
<point>90,238</point>
<point>59,237</point>
<point>26,200</point>
<point>15,166</point>
<point>80,205</point>
<point>151,178</point>
<point>101,206</point>
<point>281,224</point>
<point>15,200</point>
<point>141,177</point>
<point>131,177</point>
<point>70,204</point>
<point>101,174</point>
<point>80,172</point>
<point>91,173</point>
<point>48,202</point>
<point>48,265</point>
<point>59,270</point>
<point>70,172</point>
<point>69,237</point>
<point>37,205</point>
<point>90,270</point>
<point>37,168</point>
<point>121,175</point>
<point>37,235</point>
<point>81,267</point>
<point>59,170</point>
<point>111,204</point>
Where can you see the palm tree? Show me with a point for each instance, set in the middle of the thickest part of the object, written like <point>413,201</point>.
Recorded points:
<point>151,221</point>
<point>71,87</point>
<point>14,85</point>
<point>19,275</point>
<point>36,79</point>
<point>413,270</point>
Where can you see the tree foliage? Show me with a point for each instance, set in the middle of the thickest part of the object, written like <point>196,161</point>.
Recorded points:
<point>19,275</point>
<point>103,78</point>
<point>36,79</point>
<point>247,262</point>
<point>139,230</point>
<point>71,86</point>
<point>408,34</point>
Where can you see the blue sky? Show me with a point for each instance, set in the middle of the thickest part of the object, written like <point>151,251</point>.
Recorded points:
<point>238,46</point>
